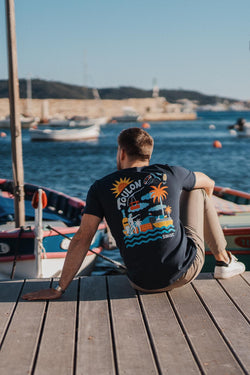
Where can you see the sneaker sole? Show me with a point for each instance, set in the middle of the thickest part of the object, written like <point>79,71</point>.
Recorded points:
<point>227,274</point>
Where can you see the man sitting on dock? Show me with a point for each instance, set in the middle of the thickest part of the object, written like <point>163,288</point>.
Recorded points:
<point>160,216</point>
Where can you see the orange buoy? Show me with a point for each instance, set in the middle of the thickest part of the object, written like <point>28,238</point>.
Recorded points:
<point>35,199</point>
<point>217,144</point>
<point>145,125</point>
<point>3,134</point>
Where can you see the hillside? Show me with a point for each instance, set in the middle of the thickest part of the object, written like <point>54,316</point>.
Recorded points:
<point>42,89</point>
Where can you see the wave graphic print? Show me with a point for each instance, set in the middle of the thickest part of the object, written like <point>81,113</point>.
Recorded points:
<point>150,235</point>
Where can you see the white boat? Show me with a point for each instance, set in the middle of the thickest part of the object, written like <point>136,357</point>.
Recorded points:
<point>26,122</point>
<point>245,132</point>
<point>72,133</point>
<point>240,129</point>
<point>129,115</point>
<point>77,121</point>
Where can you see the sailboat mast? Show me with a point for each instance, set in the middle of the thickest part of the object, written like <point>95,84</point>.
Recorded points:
<point>15,124</point>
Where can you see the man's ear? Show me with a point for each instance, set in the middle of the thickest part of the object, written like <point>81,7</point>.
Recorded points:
<point>122,154</point>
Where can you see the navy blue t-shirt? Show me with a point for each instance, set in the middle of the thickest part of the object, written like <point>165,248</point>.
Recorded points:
<point>141,207</point>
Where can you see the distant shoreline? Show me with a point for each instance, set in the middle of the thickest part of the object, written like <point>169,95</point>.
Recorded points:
<point>150,109</point>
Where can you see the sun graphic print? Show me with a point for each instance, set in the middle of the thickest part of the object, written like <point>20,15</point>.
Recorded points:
<point>120,185</point>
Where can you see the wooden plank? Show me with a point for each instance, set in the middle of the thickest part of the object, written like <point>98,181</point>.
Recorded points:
<point>232,324</point>
<point>209,347</point>
<point>23,334</point>
<point>134,354</point>
<point>246,276</point>
<point>239,291</point>
<point>94,350</point>
<point>172,350</point>
<point>205,276</point>
<point>56,352</point>
<point>9,292</point>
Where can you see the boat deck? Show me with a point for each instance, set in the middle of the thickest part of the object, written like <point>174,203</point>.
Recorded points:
<point>102,326</point>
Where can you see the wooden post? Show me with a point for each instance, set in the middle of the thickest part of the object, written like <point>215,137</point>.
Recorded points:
<point>15,125</point>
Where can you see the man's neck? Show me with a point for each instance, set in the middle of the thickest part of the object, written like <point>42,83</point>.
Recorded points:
<point>135,164</point>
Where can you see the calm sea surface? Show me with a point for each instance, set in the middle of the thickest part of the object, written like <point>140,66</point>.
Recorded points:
<point>72,167</point>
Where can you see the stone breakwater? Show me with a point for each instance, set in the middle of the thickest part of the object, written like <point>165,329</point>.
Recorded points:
<point>150,109</point>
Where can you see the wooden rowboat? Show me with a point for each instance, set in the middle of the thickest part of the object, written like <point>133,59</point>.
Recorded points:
<point>19,255</point>
<point>233,208</point>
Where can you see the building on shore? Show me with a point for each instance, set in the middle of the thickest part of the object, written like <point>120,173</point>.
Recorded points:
<point>150,109</point>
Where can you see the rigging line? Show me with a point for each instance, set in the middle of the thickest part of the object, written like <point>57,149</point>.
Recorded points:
<point>117,264</point>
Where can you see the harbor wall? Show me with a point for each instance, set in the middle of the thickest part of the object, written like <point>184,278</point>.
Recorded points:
<point>150,109</point>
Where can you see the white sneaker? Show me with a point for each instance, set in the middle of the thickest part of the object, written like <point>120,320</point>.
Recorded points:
<point>225,270</point>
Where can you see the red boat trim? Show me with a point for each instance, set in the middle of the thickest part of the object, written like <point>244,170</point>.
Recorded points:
<point>236,231</point>
<point>19,258</point>
<point>221,190</point>
<point>15,233</point>
<point>63,254</point>
<point>55,255</point>
<point>66,230</point>
<point>47,233</point>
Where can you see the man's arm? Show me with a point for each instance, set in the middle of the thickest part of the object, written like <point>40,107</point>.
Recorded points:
<point>76,253</point>
<point>204,182</point>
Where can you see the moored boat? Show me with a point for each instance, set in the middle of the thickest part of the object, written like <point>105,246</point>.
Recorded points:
<point>72,133</point>
<point>233,208</point>
<point>77,121</point>
<point>129,115</point>
<point>241,128</point>
<point>26,122</point>
<point>19,257</point>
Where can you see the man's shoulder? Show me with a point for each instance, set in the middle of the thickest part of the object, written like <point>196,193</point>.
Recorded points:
<point>105,179</point>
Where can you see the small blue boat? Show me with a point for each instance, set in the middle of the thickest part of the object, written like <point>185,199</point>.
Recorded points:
<point>25,253</point>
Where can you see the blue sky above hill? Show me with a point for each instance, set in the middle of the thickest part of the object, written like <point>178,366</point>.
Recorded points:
<point>189,44</point>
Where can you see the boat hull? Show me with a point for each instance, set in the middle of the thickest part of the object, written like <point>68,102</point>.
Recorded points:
<point>233,208</point>
<point>18,258</point>
<point>23,254</point>
<point>66,134</point>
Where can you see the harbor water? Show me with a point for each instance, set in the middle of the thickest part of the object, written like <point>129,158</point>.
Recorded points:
<point>71,167</point>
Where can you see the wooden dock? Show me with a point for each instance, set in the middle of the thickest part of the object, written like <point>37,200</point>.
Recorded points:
<point>102,326</point>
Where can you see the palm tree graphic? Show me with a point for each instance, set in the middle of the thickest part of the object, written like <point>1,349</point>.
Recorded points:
<point>158,193</point>
<point>168,210</point>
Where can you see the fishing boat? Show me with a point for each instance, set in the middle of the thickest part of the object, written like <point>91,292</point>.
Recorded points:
<point>65,133</point>
<point>233,208</point>
<point>39,252</point>
<point>74,121</point>
<point>129,115</point>
<point>240,129</point>
<point>26,122</point>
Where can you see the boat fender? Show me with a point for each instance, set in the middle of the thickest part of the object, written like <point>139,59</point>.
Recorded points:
<point>35,199</point>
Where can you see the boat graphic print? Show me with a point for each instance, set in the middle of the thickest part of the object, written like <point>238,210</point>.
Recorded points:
<point>145,214</point>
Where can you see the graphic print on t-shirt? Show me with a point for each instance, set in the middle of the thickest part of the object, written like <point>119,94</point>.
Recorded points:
<point>143,204</point>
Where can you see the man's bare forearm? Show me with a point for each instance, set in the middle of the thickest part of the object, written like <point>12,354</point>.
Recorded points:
<point>78,249</point>
<point>73,261</point>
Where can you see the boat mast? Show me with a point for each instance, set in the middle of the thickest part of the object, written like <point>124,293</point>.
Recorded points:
<point>15,124</point>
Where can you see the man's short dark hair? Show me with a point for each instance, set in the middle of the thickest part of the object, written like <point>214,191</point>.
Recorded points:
<point>137,143</point>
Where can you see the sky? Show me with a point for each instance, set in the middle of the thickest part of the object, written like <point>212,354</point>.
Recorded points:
<point>182,44</point>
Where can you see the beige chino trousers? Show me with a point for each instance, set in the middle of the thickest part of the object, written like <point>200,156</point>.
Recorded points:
<point>201,223</point>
